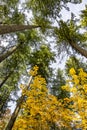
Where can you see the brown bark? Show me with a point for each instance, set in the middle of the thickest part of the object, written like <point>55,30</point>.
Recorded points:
<point>17,109</point>
<point>8,53</point>
<point>5,79</point>
<point>4,29</point>
<point>79,49</point>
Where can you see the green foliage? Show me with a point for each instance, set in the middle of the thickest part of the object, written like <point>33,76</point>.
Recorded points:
<point>84,17</point>
<point>17,17</point>
<point>42,58</point>
<point>4,97</point>
<point>16,64</point>
<point>48,8</point>
<point>30,38</point>
<point>9,9</point>
<point>57,82</point>
<point>75,63</point>
<point>68,33</point>
<point>43,22</point>
<point>46,12</point>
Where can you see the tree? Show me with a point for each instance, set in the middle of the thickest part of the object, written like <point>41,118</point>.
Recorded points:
<point>17,109</point>
<point>43,57</point>
<point>49,9</point>
<point>48,13</point>
<point>10,52</point>
<point>75,63</point>
<point>77,86</point>
<point>84,17</point>
<point>14,28</point>
<point>68,34</point>
<point>40,110</point>
<point>4,80</point>
<point>15,65</point>
<point>11,72</point>
<point>67,113</point>
<point>57,82</point>
<point>44,69</point>
<point>53,12</point>
<point>4,119</point>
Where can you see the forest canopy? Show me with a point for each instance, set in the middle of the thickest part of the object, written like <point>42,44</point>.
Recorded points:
<point>43,69</point>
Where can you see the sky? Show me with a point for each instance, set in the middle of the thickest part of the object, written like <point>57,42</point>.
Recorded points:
<point>74,8</point>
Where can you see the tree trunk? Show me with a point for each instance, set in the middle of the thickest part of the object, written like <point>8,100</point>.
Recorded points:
<point>17,109</point>
<point>5,79</point>
<point>79,49</point>
<point>8,53</point>
<point>4,29</point>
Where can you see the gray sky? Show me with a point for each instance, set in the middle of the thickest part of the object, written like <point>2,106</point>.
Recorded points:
<point>74,8</point>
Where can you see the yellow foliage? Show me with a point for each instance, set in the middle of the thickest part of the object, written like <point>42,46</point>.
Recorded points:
<point>72,71</point>
<point>41,110</point>
<point>33,72</point>
<point>78,90</point>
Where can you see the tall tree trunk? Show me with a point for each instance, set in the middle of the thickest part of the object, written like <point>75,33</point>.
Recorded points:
<point>4,29</point>
<point>79,49</point>
<point>17,109</point>
<point>5,79</point>
<point>8,53</point>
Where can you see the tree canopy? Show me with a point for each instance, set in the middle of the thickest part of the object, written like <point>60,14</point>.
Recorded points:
<point>33,33</point>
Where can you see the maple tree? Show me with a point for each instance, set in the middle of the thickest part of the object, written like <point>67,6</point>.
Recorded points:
<point>42,110</point>
<point>77,86</point>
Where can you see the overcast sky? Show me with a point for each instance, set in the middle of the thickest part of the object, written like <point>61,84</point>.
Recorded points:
<point>74,8</point>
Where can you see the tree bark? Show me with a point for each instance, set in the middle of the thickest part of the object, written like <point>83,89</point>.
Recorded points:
<point>4,29</point>
<point>8,53</point>
<point>5,79</point>
<point>79,49</point>
<point>17,109</point>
